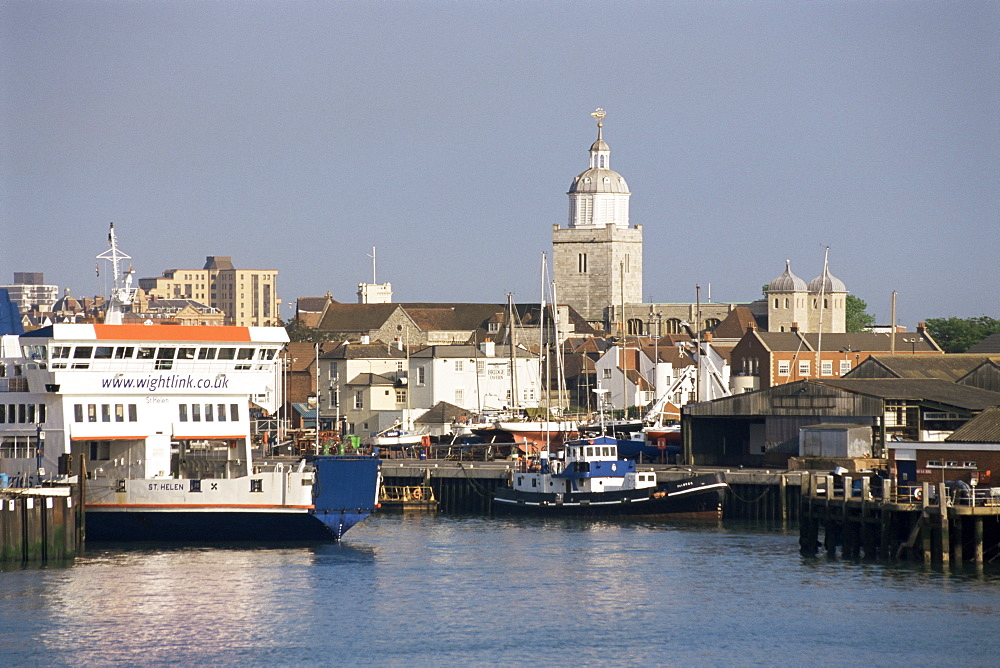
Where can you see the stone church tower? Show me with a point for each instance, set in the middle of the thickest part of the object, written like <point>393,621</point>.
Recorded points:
<point>597,259</point>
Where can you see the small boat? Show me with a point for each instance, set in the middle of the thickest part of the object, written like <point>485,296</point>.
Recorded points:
<point>591,480</point>
<point>405,498</point>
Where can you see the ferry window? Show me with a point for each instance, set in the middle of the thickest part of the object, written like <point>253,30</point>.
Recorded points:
<point>182,412</point>
<point>267,353</point>
<point>185,353</point>
<point>196,412</point>
<point>133,414</point>
<point>589,452</point>
<point>3,413</point>
<point>78,412</point>
<point>41,412</point>
<point>234,412</point>
<point>83,352</point>
<point>164,364</point>
<point>227,353</point>
<point>166,353</point>
<point>206,353</point>
<point>256,486</point>
<point>146,353</point>
<point>105,412</point>
<point>245,354</point>
<point>81,365</point>
<point>11,414</point>
<point>103,352</point>
<point>119,412</point>
<point>222,412</point>
<point>124,352</point>
<point>100,450</point>
<point>60,352</point>
<point>208,412</point>
<point>91,412</point>
<point>29,413</point>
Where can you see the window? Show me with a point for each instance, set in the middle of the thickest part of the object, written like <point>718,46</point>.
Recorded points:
<point>83,352</point>
<point>845,366</point>
<point>185,353</point>
<point>146,353</point>
<point>133,415</point>
<point>100,450</point>
<point>103,352</point>
<point>195,412</point>
<point>124,352</point>
<point>784,367</point>
<point>359,400</point>
<point>459,365</point>
<point>804,367</point>
<point>221,412</point>
<point>227,353</point>
<point>208,413</point>
<point>182,412</point>
<point>400,396</point>
<point>105,412</point>
<point>245,354</point>
<point>206,353</point>
<point>256,486</point>
<point>234,412</point>
<point>581,263</point>
<point>459,396</point>
<point>826,368</point>
<point>421,375</point>
<point>77,413</point>
<point>606,373</point>
<point>91,412</point>
<point>480,367</point>
<point>119,412</point>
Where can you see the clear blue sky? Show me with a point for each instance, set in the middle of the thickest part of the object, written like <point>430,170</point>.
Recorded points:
<point>297,135</point>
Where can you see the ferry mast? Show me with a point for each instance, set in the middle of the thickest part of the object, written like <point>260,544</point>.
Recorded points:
<point>122,292</point>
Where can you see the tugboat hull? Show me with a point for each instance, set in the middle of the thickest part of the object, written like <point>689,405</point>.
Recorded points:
<point>698,497</point>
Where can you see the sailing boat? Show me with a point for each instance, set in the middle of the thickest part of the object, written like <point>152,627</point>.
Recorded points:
<point>539,433</point>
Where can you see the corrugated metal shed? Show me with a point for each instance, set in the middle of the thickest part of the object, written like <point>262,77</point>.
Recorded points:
<point>984,428</point>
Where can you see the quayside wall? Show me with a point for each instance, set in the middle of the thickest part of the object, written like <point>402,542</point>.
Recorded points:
<point>468,486</point>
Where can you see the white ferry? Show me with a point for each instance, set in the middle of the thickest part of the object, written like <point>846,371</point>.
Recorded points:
<point>157,419</point>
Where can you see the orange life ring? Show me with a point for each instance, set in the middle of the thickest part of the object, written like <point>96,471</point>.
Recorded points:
<point>417,493</point>
<point>918,493</point>
<point>425,440</point>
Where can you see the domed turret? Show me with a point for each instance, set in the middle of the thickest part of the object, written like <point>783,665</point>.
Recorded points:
<point>787,282</point>
<point>831,284</point>
<point>600,178</point>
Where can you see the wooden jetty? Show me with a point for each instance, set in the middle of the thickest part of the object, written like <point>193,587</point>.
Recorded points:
<point>40,524</point>
<point>933,523</point>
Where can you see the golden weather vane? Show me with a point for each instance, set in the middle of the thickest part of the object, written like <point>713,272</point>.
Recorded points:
<point>599,114</point>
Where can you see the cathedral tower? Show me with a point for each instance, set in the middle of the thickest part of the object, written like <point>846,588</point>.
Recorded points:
<point>597,258</point>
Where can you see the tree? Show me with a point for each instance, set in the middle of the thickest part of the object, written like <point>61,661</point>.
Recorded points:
<point>856,316</point>
<point>300,332</point>
<point>956,335</point>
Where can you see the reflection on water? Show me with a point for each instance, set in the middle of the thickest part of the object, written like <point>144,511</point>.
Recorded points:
<point>425,589</point>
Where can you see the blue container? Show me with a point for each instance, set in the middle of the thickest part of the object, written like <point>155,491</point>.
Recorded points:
<point>4,480</point>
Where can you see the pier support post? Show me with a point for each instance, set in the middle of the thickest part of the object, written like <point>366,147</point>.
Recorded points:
<point>978,538</point>
<point>956,553</point>
<point>945,534</point>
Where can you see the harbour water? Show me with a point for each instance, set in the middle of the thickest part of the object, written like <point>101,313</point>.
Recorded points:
<point>439,590</point>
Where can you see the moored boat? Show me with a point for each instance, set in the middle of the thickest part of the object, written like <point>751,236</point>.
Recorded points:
<point>590,480</point>
<point>154,422</point>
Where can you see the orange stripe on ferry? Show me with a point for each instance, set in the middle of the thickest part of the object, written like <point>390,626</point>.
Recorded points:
<point>172,333</point>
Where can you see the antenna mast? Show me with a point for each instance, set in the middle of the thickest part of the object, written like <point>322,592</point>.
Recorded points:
<point>122,292</point>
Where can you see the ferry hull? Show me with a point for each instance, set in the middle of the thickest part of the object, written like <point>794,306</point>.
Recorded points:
<point>339,493</point>
<point>698,497</point>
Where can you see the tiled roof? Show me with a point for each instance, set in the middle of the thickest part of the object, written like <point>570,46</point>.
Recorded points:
<point>735,325</point>
<point>442,413</point>
<point>990,345</point>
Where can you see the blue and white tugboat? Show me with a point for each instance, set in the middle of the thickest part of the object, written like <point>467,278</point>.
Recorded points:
<point>590,479</point>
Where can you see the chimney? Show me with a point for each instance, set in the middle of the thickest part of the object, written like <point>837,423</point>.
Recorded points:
<point>795,327</point>
<point>921,327</point>
<point>488,347</point>
<point>751,327</point>
<point>707,338</point>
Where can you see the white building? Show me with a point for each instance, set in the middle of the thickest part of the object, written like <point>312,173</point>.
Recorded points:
<point>29,289</point>
<point>474,378</point>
